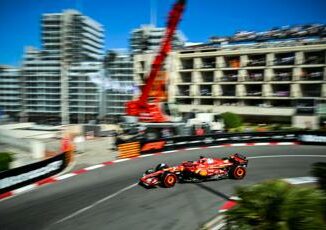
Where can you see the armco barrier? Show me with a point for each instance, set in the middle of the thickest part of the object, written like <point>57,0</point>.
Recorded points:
<point>28,174</point>
<point>304,137</point>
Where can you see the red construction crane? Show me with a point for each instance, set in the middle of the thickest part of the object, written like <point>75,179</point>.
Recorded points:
<point>141,108</point>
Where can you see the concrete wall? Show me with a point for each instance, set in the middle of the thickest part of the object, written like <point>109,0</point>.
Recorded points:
<point>34,147</point>
<point>305,122</point>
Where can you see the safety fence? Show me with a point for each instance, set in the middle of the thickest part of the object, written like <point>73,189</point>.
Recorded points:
<point>152,146</point>
<point>28,174</point>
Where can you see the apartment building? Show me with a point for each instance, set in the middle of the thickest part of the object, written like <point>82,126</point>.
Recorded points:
<point>83,94</point>
<point>119,69</point>
<point>148,38</point>
<point>271,81</point>
<point>10,91</point>
<point>56,79</point>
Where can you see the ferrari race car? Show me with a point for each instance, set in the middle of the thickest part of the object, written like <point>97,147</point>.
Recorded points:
<point>204,169</point>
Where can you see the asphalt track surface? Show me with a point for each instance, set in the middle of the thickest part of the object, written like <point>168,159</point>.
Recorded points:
<point>108,198</point>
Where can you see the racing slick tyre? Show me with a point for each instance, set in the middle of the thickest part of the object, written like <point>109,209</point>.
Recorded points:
<point>169,179</point>
<point>237,172</point>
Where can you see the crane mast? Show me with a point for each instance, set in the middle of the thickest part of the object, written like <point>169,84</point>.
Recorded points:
<point>151,112</point>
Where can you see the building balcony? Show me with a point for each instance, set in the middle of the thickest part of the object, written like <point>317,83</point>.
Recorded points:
<point>205,92</point>
<point>312,74</point>
<point>314,58</point>
<point>256,63</point>
<point>288,60</point>
<point>93,32</point>
<point>311,93</point>
<point>279,94</point>
<point>230,78</point>
<point>42,99</point>
<point>41,68</point>
<point>93,44</point>
<point>209,64</point>
<point>254,94</point>
<point>9,86</point>
<point>282,77</point>
<point>5,97</point>
<point>94,25</point>
<point>232,62</point>
<point>42,93</point>
<point>254,77</point>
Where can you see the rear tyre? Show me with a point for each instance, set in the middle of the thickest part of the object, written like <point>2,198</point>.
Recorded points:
<point>169,180</point>
<point>238,172</point>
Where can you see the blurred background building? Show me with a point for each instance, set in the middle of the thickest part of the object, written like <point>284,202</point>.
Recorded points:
<point>10,91</point>
<point>275,76</point>
<point>148,38</point>
<point>119,68</point>
<point>271,76</point>
<point>56,84</point>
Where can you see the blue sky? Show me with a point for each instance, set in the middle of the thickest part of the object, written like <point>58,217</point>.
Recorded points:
<point>20,19</point>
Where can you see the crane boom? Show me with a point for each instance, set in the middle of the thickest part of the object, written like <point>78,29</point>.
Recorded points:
<point>141,105</point>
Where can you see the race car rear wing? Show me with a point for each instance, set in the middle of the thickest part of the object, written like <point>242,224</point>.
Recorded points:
<point>240,159</point>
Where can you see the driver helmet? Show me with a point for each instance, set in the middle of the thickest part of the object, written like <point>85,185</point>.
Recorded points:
<point>210,160</point>
<point>161,166</point>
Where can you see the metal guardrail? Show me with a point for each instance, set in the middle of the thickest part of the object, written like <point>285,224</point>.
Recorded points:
<point>28,174</point>
<point>304,137</point>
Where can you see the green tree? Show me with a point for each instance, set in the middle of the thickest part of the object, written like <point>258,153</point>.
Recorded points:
<point>5,159</point>
<point>231,120</point>
<point>277,205</point>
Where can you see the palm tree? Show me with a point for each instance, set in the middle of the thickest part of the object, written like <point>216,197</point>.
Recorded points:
<point>277,205</point>
<point>319,171</point>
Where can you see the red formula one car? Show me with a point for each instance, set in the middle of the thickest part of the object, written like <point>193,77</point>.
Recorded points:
<point>196,171</point>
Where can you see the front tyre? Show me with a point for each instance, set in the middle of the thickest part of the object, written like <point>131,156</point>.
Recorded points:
<point>169,180</point>
<point>238,172</point>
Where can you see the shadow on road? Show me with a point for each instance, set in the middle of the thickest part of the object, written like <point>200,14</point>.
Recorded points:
<point>213,191</point>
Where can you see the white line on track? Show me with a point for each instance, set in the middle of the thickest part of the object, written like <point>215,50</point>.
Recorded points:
<point>213,147</point>
<point>195,148</point>
<point>301,180</point>
<point>286,143</point>
<point>171,151</point>
<point>261,144</point>
<point>94,167</point>
<point>239,144</point>
<point>277,156</point>
<point>121,160</point>
<point>65,176</point>
<point>96,203</point>
<point>146,155</point>
<point>24,189</point>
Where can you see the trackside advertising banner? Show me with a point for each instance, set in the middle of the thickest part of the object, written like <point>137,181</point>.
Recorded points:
<point>28,174</point>
<point>313,138</point>
<point>304,137</point>
<point>208,140</point>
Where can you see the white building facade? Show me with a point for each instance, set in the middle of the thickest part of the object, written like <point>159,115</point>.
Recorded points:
<point>57,85</point>
<point>264,82</point>
<point>119,69</point>
<point>10,91</point>
<point>148,38</point>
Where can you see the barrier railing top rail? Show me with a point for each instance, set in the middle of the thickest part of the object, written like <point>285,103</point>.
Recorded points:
<point>306,137</point>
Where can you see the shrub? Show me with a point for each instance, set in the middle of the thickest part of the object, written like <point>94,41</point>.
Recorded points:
<point>231,120</point>
<point>277,205</point>
<point>5,159</point>
<point>319,171</point>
